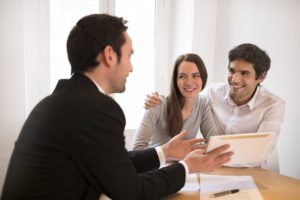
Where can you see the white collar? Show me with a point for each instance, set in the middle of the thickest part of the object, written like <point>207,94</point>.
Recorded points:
<point>98,86</point>
<point>249,103</point>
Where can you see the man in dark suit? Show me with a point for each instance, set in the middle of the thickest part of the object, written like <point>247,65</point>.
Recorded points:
<point>72,144</point>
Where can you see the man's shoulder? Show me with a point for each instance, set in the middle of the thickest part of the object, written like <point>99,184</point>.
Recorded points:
<point>61,84</point>
<point>81,94</point>
<point>104,103</point>
<point>267,95</point>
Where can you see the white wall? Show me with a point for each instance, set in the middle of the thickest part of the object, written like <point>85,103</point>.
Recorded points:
<point>204,35</point>
<point>274,25</point>
<point>12,82</point>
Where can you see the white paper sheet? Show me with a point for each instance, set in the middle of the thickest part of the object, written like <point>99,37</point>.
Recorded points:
<point>211,184</point>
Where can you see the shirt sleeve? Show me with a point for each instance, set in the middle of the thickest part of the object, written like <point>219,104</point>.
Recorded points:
<point>161,156</point>
<point>208,125</point>
<point>272,122</point>
<point>146,128</point>
<point>162,160</point>
<point>273,119</point>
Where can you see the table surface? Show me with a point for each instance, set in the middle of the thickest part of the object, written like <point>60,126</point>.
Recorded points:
<point>272,186</point>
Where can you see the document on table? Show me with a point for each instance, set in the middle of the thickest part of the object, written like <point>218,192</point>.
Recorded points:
<point>212,184</point>
<point>250,149</point>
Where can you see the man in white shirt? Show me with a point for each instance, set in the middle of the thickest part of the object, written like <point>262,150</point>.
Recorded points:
<point>242,105</point>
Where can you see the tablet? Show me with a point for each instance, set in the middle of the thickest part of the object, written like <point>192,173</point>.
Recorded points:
<point>250,149</point>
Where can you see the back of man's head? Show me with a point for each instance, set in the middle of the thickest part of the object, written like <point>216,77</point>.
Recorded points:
<point>90,36</point>
<point>252,54</point>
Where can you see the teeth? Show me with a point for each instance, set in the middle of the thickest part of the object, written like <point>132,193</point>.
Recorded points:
<point>237,87</point>
<point>189,89</point>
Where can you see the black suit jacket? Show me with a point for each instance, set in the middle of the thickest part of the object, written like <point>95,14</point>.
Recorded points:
<point>72,147</point>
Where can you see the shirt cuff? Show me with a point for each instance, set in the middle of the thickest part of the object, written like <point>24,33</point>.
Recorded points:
<point>185,167</point>
<point>161,156</point>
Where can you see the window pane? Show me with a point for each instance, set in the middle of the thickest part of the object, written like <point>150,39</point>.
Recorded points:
<point>140,15</point>
<point>63,16</point>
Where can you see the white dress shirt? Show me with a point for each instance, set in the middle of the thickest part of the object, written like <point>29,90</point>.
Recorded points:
<point>263,113</point>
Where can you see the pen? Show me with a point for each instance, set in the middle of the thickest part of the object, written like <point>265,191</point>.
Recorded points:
<point>219,194</point>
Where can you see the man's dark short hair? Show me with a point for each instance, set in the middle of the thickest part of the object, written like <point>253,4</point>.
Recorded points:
<point>90,36</point>
<point>252,54</point>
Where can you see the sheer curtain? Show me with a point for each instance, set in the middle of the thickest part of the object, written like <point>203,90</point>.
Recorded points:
<point>36,51</point>
<point>141,18</point>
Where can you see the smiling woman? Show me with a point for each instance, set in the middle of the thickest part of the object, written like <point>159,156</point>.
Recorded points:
<point>183,109</point>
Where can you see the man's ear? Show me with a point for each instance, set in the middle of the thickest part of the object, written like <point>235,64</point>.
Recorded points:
<point>109,55</point>
<point>262,76</point>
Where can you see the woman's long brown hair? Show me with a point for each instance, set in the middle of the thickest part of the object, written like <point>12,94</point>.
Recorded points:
<point>175,100</point>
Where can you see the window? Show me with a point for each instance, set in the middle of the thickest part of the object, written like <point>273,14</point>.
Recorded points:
<point>141,15</point>
<point>63,16</point>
